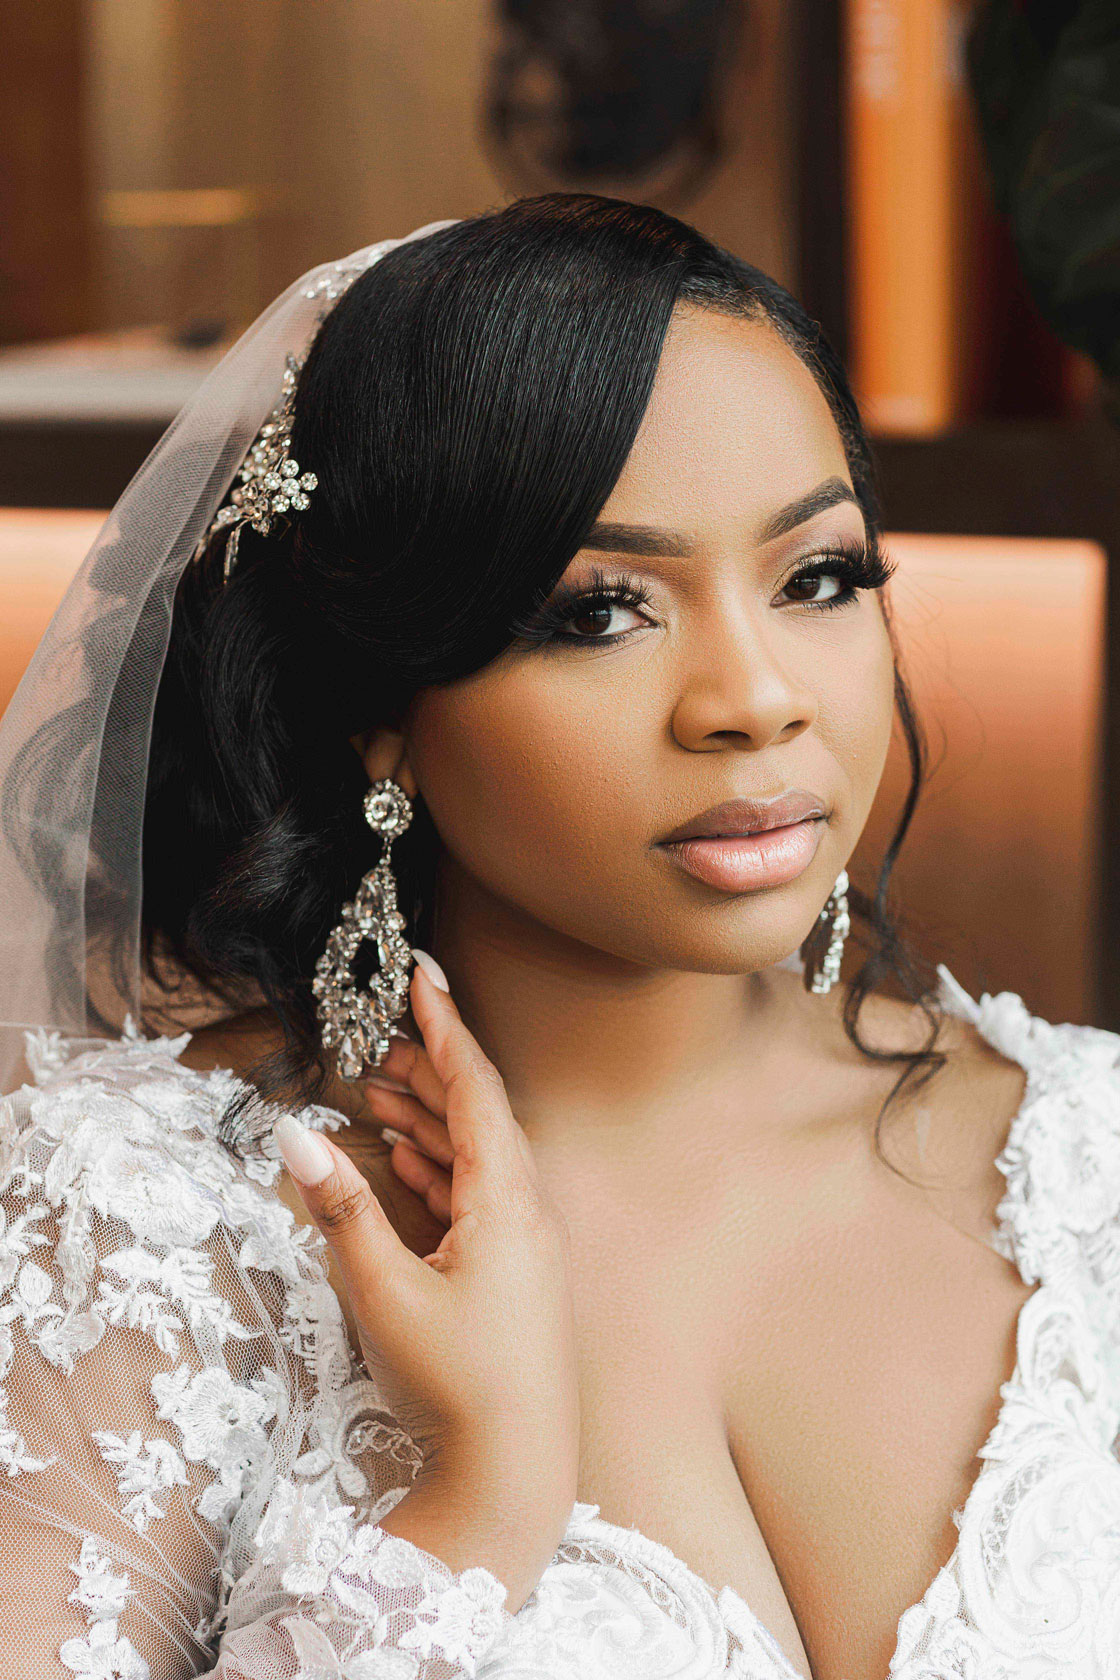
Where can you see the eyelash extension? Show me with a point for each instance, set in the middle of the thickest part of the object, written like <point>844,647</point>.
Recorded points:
<point>857,564</point>
<point>548,620</point>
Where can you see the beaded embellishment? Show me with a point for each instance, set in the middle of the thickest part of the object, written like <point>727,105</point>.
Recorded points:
<point>356,1023</point>
<point>271,483</point>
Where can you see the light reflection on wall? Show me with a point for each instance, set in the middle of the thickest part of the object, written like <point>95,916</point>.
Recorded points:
<point>1003,641</point>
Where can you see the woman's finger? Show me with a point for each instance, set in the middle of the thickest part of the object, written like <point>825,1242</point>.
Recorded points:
<point>381,1274</point>
<point>407,1115</point>
<point>429,1181</point>
<point>479,1120</point>
<point>410,1064</point>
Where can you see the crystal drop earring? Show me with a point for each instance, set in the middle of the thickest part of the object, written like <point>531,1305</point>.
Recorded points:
<point>836,909</point>
<point>355,1023</point>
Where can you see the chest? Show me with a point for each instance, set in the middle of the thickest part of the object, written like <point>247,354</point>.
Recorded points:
<point>787,1386</point>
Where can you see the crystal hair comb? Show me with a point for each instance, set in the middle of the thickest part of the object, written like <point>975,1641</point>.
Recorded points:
<point>271,482</point>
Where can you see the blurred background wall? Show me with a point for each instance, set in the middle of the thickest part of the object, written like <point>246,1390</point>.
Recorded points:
<point>303,129</point>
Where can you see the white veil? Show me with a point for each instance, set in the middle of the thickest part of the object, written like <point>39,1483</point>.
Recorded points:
<point>74,741</point>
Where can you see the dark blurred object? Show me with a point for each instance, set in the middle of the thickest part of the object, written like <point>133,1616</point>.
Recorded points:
<point>46,231</point>
<point>201,334</point>
<point>1045,77</point>
<point>611,94</point>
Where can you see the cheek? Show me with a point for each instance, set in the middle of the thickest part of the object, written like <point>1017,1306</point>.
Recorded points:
<point>856,715</point>
<point>528,783</point>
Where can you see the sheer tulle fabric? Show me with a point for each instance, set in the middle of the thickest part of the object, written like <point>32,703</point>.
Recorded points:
<point>193,1465</point>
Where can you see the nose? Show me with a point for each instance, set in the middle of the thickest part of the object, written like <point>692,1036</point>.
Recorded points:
<point>742,688</point>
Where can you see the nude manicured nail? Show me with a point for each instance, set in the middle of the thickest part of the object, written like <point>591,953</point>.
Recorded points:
<point>306,1156</point>
<point>431,969</point>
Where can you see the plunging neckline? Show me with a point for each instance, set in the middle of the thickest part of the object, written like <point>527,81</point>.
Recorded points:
<point>735,1613</point>
<point>586,1513</point>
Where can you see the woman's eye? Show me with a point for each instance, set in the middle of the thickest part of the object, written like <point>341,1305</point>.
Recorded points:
<point>807,587</point>
<point>595,621</point>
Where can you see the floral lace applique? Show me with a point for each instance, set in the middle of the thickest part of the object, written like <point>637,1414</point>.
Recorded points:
<point>101,1654</point>
<point>145,1468</point>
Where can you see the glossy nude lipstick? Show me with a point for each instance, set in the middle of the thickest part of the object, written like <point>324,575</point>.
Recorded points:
<point>746,844</point>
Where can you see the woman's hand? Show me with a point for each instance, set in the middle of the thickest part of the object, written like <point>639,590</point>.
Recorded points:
<point>476,1342</point>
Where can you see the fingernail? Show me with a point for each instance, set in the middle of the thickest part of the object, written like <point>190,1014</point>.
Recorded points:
<point>306,1156</point>
<point>431,969</point>
<point>390,1136</point>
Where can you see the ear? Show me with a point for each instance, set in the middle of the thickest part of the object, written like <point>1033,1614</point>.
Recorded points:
<point>384,752</point>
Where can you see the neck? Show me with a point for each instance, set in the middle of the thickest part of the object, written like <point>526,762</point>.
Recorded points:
<point>580,1035</point>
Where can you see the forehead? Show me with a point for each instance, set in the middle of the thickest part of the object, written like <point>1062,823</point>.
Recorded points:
<point>735,423</point>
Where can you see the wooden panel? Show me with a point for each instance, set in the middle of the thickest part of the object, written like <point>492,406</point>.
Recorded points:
<point>1003,642</point>
<point>45,230</point>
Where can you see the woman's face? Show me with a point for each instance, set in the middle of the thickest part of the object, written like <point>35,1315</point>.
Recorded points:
<point>554,774</point>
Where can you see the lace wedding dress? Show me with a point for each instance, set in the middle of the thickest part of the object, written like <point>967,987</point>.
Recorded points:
<point>193,1466</point>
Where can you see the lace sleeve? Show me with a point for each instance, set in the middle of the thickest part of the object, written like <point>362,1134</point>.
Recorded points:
<point>191,1474</point>
<point>351,1601</point>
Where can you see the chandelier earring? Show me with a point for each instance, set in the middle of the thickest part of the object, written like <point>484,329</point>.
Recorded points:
<point>835,911</point>
<point>356,1024</point>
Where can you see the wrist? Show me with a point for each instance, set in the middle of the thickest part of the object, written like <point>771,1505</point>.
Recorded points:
<point>467,1523</point>
<point>511,1458</point>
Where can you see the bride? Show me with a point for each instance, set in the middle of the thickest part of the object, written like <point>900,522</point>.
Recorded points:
<point>456,1219</point>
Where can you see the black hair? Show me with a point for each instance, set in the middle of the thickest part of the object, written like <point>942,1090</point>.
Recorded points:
<point>467,407</point>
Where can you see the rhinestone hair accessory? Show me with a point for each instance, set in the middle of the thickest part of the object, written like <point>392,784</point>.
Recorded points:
<point>354,1023</point>
<point>271,484</point>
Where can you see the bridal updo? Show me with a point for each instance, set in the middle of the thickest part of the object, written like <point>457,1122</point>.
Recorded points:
<point>467,408</point>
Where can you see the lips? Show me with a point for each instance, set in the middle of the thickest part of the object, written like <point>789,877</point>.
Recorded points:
<point>749,816</point>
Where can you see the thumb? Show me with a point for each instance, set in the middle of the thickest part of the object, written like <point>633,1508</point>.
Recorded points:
<point>377,1267</point>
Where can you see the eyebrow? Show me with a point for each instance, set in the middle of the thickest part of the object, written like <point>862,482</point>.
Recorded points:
<point>609,537</point>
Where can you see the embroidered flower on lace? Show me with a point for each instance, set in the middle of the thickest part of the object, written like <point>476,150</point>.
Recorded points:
<point>341,1429</point>
<point>320,1550</point>
<point>44,1052</point>
<point>469,1614</point>
<point>277,1244</point>
<point>60,1336</point>
<point>15,1459</point>
<point>145,1191</point>
<point>144,1469</point>
<point>101,1594</point>
<point>216,1416</point>
<point>101,1655</point>
<point>139,1308</point>
<point>31,1299</point>
<point>184,1274</point>
<point>306,1534</point>
<point>17,1239</point>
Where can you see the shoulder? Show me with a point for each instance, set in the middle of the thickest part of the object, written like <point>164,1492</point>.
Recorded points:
<point>1061,1161</point>
<point>126,1223</point>
<point>125,1135</point>
<point>1059,1216</point>
<point>1023,1115</point>
<point>135,1134</point>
